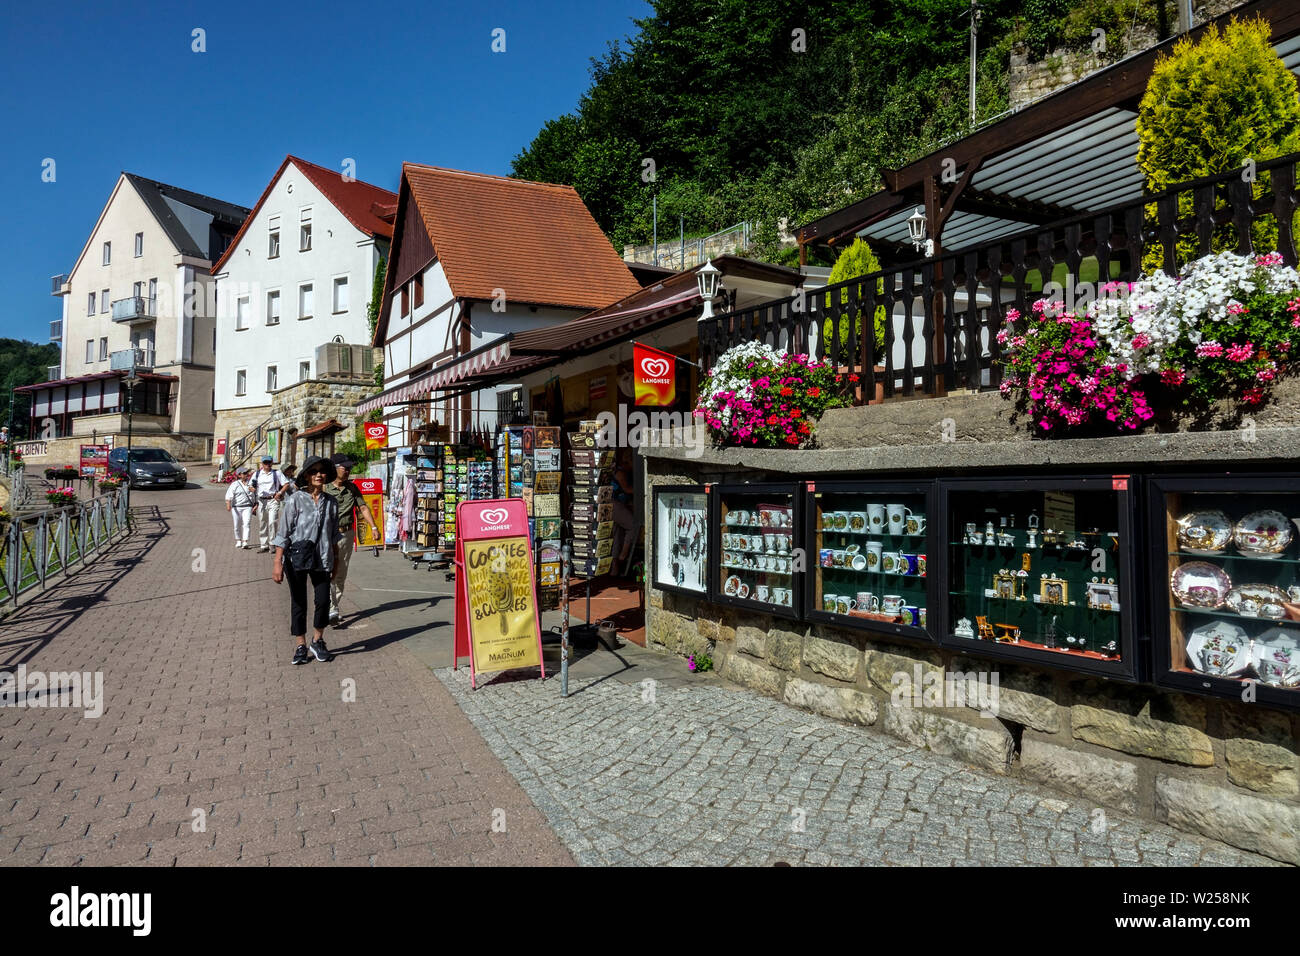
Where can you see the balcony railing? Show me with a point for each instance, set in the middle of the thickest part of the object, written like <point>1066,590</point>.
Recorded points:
<point>57,283</point>
<point>941,316</point>
<point>136,308</point>
<point>53,373</point>
<point>124,360</point>
<point>56,330</point>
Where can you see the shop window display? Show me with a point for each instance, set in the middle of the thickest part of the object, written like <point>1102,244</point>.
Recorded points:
<point>1231,590</point>
<point>681,534</point>
<point>870,550</point>
<point>1040,569</point>
<point>760,560</point>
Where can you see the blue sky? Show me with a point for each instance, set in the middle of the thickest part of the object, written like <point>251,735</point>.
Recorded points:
<point>107,86</point>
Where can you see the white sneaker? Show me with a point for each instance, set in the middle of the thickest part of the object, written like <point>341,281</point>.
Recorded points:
<point>238,545</point>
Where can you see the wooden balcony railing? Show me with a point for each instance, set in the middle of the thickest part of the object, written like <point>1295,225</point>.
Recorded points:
<point>941,315</point>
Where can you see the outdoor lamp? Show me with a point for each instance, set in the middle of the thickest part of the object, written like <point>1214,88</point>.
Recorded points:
<point>916,227</point>
<point>706,277</point>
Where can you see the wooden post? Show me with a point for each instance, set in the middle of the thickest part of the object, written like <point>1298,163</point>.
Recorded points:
<point>932,211</point>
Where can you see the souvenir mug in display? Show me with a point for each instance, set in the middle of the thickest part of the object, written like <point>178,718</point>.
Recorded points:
<point>873,551</point>
<point>770,540</point>
<point>781,596</point>
<point>908,564</point>
<point>763,593</point>
<point>911,614</point>
<point>915,524</point>
<point>858,562</point>
<point>844,604</point>
<point>858,521</point>
<point>890,561</point>
<point>841,521</point>
<point>829,601</point>
<point>921,618</point>
<point>876,518</point>
<point>827,557</point>
<point>840,558</point>
<point>897,517</point>
<point>868,602</point>
<point>892,604</point>
<point>920,564</point>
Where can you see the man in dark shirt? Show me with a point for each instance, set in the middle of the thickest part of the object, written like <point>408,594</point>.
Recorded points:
<point>351,504</point>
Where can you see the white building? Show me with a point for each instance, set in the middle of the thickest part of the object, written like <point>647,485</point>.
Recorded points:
<point>140,282</point>
<point>298,276</point>
<point>476,257</point>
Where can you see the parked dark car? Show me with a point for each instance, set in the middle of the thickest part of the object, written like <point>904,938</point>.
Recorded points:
<point>150,468</point>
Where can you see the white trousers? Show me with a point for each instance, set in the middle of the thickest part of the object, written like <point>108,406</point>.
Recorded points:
<point>241,518</point>
<point>268,516</point>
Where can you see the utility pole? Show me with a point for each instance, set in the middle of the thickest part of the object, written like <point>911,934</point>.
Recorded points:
<point>975,14</point>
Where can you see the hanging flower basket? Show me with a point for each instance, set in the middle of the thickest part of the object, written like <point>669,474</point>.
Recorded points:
<point>61,497</point>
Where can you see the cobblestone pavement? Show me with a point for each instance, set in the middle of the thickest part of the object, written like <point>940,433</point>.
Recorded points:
<point>203,711</point>
<point>711,774</point>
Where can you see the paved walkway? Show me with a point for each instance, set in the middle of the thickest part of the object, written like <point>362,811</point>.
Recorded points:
<point>203,712</point>
<point>705,773</point>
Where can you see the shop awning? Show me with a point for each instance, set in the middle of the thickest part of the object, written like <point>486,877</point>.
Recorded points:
<point>95,377</point>
<point>519,352</point>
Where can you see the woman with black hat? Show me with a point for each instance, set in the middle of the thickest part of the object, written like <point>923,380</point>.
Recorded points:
<point>307,535</point>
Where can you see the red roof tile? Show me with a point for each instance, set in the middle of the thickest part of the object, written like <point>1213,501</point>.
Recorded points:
<point>535,241</point>
<point>367,207</point>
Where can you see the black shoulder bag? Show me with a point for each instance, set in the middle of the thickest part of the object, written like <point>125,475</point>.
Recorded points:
<point>305,555</point>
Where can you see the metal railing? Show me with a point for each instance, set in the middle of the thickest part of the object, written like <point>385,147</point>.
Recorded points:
<point>693,252</point>
<point>135,307</point>
<point>56,331</point>
<point>52,544</point>
<point>57,283</point>
<point>939,317</point>
<point>242,449</point>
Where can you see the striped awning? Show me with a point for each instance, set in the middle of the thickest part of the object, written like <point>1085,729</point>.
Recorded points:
<point>442,377</point>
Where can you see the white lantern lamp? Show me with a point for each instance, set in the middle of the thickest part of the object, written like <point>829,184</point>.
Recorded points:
<point>707,279</point>
<point>916,227</point>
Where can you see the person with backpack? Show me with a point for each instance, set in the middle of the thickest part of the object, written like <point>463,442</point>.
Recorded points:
<point>306,550</point>
<point>269,484</point>
<point>241,502</point>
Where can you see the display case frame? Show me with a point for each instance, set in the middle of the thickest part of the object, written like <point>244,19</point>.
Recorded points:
<point>710,568</point>
<point>1133,664</point>
<point>794,490</point>
<point>1164,547</point>
<point>814,537</point>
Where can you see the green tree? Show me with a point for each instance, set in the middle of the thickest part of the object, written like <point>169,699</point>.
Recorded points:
<point>372,313</point>
<point>856,260</point>
<point>22,363</point>
<point>1210,107</point>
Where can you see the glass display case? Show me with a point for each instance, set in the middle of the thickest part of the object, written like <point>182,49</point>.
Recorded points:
<point>1041,569</point>
<point>681,538</point>
<point>756,550</point>
<point>868,547</point>
<point>1226,592</point>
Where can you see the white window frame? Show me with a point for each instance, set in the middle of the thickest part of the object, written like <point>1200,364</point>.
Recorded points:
<point>241,381</point>
<point>103,302</point>
<point>242,306</point>
<point>340,282</point>
<point>272,377</point>
<point>304,237</point>
<point>90,351</point>
<point>103,348</point>
<point>90,303</point>
<point>273,296</point>
<point>139,244</point>
<point>273,244</point>
<point>108,253</point>
<point>309,300</point>
<point>304,370</point>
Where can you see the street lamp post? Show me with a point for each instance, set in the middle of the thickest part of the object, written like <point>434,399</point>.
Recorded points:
<point>706,279</point>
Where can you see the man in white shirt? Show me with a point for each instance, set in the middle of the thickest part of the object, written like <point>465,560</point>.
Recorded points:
<point>270,486</point>
<point>241,502</point>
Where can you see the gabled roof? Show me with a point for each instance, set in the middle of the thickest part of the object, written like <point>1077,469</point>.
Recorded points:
<point>185,216</point>
<point>535,241</point>
<point>369,208</point>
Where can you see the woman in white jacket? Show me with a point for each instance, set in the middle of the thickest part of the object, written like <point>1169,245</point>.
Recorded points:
<point>241,502</point>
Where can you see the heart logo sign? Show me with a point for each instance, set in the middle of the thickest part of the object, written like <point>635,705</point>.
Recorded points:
<point>491,516</point>
<point>655,367</point>
<point>377,431</point>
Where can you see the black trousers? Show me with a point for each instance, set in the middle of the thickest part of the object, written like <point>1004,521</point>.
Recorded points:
<point>320,584</point>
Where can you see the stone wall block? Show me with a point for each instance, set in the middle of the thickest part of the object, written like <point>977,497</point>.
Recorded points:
<point>986,744</point>
<point>784,648</point>
<point>1113,783</point>
<point>1142,735</point>
<point>841,703</point>
<point>753,674</point>
<point>882,665</point>
<point>1258,824</point>
<point>837,659</point>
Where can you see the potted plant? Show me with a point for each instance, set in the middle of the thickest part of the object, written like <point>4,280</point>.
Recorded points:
<point>61,497</point>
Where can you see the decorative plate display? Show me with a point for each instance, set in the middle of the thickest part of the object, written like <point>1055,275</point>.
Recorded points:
<point>1200,584</point>
<point>1264,534</point>
<point>1204,532</point>
<point>731,585</point>
<point>1219,649</point>
<point>1257,600</point>
<point>1275,656</point>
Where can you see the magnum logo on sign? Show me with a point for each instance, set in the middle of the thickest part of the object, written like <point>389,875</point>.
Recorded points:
<point>497,624</point>
<point>655,373</point>
<point>376,435</point>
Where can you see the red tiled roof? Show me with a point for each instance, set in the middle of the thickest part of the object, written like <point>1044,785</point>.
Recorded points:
<point>327,427</point>
<point>367,207</point>
<point>535,241</point>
